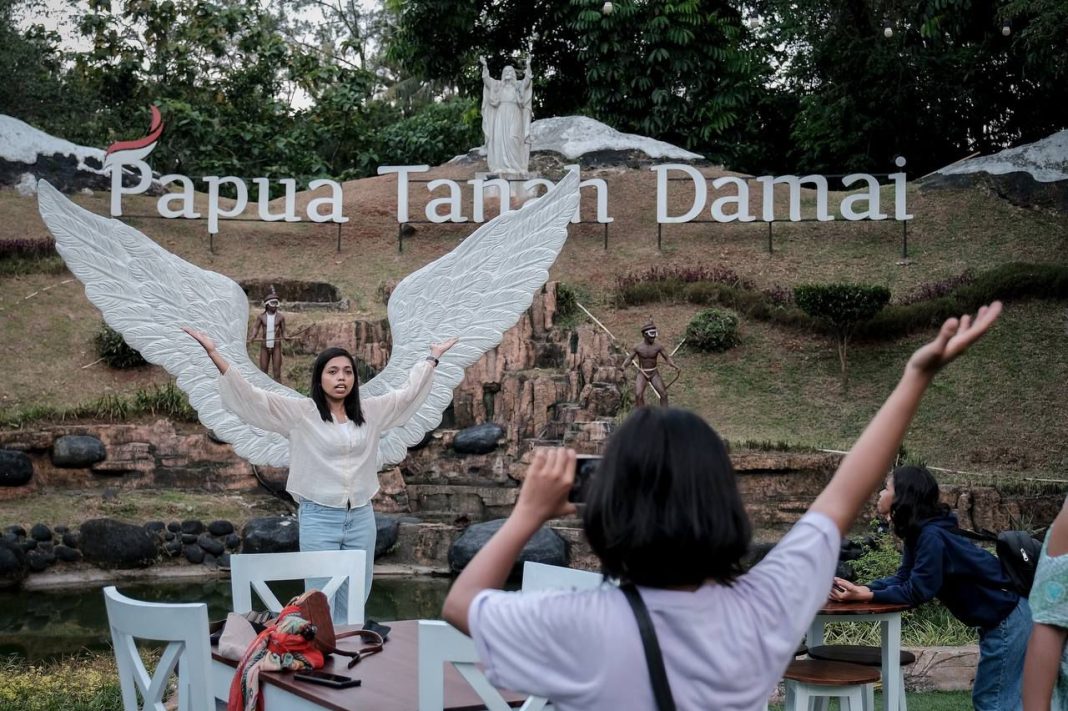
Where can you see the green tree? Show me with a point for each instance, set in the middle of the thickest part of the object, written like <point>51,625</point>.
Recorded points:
<point>842,308</point>
<point>30,62</point>
<point>678,70</point>
<point>946,83</point>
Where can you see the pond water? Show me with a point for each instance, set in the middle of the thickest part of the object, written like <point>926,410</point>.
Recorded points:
<point>42,625</point>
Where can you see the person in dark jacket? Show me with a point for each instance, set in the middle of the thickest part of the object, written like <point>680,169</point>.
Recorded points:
<point>968,580</point>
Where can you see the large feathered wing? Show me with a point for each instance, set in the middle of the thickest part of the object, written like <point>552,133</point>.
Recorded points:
<point>147,294</point>
<point>476,292</point>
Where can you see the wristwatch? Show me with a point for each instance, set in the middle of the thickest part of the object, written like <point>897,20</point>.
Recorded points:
<point>432,359</point>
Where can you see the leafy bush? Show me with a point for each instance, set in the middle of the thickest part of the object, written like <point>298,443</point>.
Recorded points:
<point>114,350</point>
<point>566,301</point>
<point>842,307</point>
<point>692,274</point>
<point>27,248</point>
<point>713,330</point>
<point>433,135</point>
<point>931,290</point>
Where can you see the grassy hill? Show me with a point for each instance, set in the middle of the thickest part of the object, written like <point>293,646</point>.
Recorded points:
<point>1002,410</point>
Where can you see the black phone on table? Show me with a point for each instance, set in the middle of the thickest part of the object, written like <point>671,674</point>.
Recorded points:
<point>381,629</point>
<point>318,676</point>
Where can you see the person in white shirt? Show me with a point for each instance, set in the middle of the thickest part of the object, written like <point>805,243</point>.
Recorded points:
<point>333,440</point>
<point>664,516</point>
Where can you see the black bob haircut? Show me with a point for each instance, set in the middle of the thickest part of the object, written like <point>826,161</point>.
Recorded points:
<point>663,509</point>
<point>915,501</point>
<point>318,395</point>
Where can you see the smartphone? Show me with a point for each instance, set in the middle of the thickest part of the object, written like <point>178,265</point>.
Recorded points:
<point>586,466</point>
<point>381,629</point>
<point>336,681</point>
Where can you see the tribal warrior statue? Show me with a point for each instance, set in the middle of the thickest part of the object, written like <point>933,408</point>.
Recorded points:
<point>646,354</point>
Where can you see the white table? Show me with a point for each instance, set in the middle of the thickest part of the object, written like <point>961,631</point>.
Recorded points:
<point>889,618</point>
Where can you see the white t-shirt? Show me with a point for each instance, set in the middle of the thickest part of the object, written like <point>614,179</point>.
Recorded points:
<point>725,648</point>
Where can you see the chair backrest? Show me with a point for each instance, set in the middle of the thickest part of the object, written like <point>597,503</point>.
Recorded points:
<point>439,644</point>
<point>539,576</point>
<point>252,571</point>
<point>184,627</point>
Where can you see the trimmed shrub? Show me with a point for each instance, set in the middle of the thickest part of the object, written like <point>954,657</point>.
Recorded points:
<point>114,350</point>
<point>842,307</point>
<point>713,330</point>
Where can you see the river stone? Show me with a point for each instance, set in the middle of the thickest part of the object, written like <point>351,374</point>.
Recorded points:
<point>224,561</point>
<point>172,547</point>
<point>156,528</point>
<point>77,451</point>
<point>28,544</point>
<point>113,544</point>
<point>17,530</point>
<point>174,527</point>
<point>10,538</point>
<point>232,541</point>
<point>271,534</point>
<point>39,560</point>
<point>13,565</point>
<point>480,439</point>
<point>220,528</point>
<point>72,539</point>
<point>189,539</point>
<point>67,554</point>
<point>168,535</point>
<point>60,530</point>
<point>209,544</point>
<point>193,526</point>
<point>41,532</point>
<point>16,469</point>
<point>210,560</point>
<point>545,547</point>
<point>194,554</point>
<point>388,530</point>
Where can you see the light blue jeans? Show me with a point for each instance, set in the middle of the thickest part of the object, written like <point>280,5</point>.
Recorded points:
<point>326,528</point>
<point>999,677</point>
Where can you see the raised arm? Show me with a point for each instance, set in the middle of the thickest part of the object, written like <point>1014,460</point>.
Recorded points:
<point>268,411</point>
<point>864,468</point>
<point>209,346</point>
<point>395,407</point>
<point>542,498</point>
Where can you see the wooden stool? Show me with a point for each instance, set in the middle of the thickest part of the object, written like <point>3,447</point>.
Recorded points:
<point>860,654</point>
<point>817,680</point>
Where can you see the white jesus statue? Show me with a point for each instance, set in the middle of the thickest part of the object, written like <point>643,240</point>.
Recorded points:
<point>506,119</point>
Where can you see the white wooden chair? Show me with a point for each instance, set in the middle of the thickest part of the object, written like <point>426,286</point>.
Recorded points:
<point>440,643</point>
<point>539,576</point>
<point>184,627</point>
<point>326,570</point>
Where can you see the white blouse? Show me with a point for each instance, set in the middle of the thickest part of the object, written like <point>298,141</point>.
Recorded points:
<point>329,463</point>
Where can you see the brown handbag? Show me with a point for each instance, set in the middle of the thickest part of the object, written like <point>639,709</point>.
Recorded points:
<point>315,608</point>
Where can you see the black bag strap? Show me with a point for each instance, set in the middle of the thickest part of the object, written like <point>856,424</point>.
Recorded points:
<point>653,659</point>
<point>985,536</point>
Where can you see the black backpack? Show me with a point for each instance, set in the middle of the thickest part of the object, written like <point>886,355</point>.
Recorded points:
<point>1018,552</point>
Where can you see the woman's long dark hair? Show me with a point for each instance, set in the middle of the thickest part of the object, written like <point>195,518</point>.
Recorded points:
<point>915,501</point>
<point>318,396</point>
<point>663,509</point>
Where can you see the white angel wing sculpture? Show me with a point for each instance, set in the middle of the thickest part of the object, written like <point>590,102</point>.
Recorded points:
<point>476,292</point>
